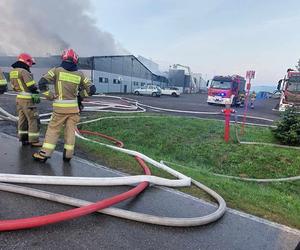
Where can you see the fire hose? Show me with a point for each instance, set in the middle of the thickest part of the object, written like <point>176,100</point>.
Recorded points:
<point>264,180</point>
<point>259,143</point>
<point>258,180</point>
<point>167,221</point>
<point>119,212</point>
<point>139,105</point>
<point>16,224</point>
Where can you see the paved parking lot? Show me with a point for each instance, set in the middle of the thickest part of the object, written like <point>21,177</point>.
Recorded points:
<point>197,102</point>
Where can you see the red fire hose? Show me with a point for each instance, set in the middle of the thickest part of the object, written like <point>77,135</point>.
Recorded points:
<point>7,225</point>
<point>117,142</point>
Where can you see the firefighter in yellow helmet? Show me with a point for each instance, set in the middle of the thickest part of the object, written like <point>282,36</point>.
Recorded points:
<point>68,82</point>
<point>3,83</point>
<point>22,82</point>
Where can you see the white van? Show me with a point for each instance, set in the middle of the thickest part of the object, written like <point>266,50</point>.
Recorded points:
<point>173,91</point>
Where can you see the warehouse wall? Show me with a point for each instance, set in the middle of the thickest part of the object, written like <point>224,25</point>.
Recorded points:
<point>108,82</point>
<point>118,73</point>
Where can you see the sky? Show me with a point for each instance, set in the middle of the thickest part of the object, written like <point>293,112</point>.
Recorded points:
<point>216,37</point>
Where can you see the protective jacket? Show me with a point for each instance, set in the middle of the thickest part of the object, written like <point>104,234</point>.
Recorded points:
<point>68,83</point>
<point>22,82</point>
<point>3,83</point>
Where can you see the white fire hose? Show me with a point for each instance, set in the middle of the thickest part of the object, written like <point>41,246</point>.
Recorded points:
<point>59,180</point>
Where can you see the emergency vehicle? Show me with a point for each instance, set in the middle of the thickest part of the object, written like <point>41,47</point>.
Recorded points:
<point>226,90</point>
<point>290,90</point>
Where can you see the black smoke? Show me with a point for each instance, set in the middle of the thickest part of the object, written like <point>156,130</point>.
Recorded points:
<point>46,27</point>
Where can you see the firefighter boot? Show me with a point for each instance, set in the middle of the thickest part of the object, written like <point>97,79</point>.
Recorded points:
<point>36,144</point>
<point>40,157</point>
<point>65,158</point>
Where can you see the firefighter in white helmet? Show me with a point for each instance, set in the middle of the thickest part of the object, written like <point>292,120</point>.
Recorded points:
<point>22,82</point>
<point>68,82</point>
<point>3,83</point>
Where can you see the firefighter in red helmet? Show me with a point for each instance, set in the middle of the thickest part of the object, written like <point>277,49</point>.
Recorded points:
<point>22,82</point>
<point>68,82</point>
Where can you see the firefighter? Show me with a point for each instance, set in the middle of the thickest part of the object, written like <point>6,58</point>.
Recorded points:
<point>22,82</point>
<point>3,83</point>
<point>252,99</point>
<point>68,82</point>
<point>242,99</point>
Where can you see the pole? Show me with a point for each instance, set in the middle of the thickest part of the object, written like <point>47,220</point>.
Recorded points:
<point>227,125</point>
<point>246,106</point>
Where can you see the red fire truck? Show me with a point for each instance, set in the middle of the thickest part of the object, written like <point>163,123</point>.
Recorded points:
<point>226,90</point>
<point>290,90</point>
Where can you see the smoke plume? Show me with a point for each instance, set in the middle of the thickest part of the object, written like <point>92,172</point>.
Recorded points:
<point>46,27</point>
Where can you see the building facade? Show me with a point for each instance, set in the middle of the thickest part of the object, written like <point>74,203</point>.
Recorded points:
<point>122,74</point>
<point>110,74</point>
<point>183,81</point>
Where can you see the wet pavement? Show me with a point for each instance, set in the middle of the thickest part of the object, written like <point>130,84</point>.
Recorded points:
<point>96,231</point>
<point>197,102</point>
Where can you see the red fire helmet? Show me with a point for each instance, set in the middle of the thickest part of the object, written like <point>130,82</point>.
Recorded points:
<point>26,58</point>
<point>69,55</point>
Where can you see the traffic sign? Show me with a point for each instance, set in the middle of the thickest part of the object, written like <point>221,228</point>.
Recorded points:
<point>250,74</point>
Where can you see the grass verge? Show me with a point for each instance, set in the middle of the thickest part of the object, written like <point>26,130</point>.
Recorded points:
<point>196,148</point>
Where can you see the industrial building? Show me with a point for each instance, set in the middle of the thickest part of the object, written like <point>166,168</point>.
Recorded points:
<point>110,74</point>
<point>120,74</point>
<point>186,82</point>
<point>123,74</point>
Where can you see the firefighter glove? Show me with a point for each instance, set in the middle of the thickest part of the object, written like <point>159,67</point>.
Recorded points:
<point>3,88</point>
<point>92,90</point>
<point>36,98</point>
<point>79,101</point>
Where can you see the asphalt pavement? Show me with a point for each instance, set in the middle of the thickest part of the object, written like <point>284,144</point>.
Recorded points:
<point>264,108</point>
<point>234,231</point>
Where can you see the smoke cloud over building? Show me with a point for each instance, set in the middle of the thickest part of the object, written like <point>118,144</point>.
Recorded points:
<point>47,27</point>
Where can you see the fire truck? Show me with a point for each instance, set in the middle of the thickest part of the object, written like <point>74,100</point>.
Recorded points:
<point>290,90</point>
<point>226,90</point>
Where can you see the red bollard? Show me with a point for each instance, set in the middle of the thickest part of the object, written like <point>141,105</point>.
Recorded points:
<point>227,112</point>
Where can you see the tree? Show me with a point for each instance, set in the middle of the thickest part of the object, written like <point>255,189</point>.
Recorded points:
<point>288,128</point>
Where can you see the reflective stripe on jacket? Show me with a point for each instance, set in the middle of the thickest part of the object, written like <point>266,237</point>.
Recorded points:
<point>2,79</point>
<point>66,86</point>
<point>21,80</point>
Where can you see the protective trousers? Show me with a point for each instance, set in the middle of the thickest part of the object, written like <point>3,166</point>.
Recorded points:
<point>28,124</point>
<point>57,121</point>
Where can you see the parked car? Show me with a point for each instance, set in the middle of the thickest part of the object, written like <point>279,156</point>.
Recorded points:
<point>173,91</point>
<point>152,90</point>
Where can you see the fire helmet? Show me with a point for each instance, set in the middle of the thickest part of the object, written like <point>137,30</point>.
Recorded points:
<point>70,56</point>
<point>26,58</point>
